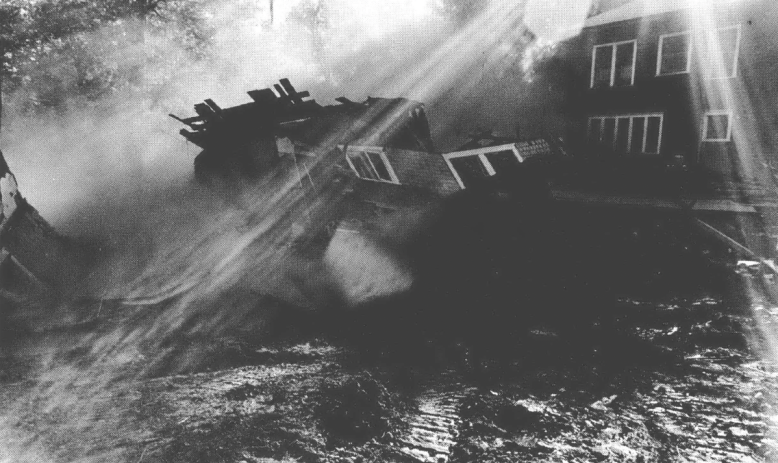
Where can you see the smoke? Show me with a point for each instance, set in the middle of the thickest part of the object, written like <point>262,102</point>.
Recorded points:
<point>114,171</point>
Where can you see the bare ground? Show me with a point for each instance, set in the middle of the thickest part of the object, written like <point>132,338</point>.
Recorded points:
<point>690,383</point>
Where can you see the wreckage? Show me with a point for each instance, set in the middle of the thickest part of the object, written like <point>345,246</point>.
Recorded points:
<point>33,256</point>
<point>391,178</point>
<point>381,149</point>
<point>249,139</point>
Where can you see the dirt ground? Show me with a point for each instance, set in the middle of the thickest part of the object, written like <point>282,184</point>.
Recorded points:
<point>692,383</point>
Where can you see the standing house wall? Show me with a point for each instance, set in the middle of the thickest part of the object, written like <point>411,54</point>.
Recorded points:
<point>684,98</point>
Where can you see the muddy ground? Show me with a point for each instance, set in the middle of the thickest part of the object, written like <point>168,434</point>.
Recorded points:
<point>692,383</point>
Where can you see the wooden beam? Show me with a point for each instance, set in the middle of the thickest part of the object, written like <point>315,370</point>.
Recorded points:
<point>190,121</point>
<point>194,137</point>
<point>263,96</point>
<point>205,111</point>
<point>214,106</point>
<point>288,86</point>
<point>296,97</point>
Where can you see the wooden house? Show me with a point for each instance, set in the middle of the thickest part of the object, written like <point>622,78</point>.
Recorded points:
<point>677,81</point>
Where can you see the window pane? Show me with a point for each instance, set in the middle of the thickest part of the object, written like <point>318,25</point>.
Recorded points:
<point>470,169</point>
<point>717,127</point>
<point>378,163</point>
<point>503,160</point>
<point>638,127</point>
<point>624,54</point>
<point>603,57</point>
<point>609,132</point>
<point>652,135</point>
<point>362,166</point>
<point>622,135</point>
<point>675,54</point>
<point>594,130</point>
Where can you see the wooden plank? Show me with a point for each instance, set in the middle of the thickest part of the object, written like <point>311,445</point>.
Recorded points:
<point>297,98</point>
<point>344,100</point>
<point>263,96</point>
<point>31,276</point>
<point>288,86</point>
<point>190,121</point>
<point>280,90</point>
<point>214,106</point>
<point>193,137</point>
<point>205,111</point>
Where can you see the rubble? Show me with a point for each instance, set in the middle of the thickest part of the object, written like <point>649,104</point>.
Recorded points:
<point>34,259</point>
<point>247,140</point>
<point>710,401</point>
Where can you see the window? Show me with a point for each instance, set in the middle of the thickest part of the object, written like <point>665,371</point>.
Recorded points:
<point>674,55</point>
<point>635,134</point>
<point>717,126</point>
<point>470,169</point>
<point>371,165</point>
<point>471,166</point>
<point>721,53</point>
<point>502,160</point>
<point>613,64</point>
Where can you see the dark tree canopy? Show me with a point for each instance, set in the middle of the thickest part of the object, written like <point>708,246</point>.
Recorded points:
<point>52,50</point>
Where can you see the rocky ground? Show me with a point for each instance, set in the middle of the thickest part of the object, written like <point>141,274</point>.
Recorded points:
<point>692,382</point>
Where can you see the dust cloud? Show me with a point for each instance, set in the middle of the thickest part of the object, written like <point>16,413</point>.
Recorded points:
<point>115,174</point>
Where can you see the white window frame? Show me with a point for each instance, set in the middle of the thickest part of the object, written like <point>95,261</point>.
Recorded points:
<point>614,46</point>
<point>374,150</point>
<point>688,54</point>
<point>631,118</point>
<point>735,58</point>
<point>721,112</point>
<point>481,153</point>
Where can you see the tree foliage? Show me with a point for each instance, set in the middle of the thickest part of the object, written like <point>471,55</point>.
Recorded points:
<point>54,50</point>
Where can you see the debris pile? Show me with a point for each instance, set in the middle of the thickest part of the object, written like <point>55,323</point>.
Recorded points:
<point>33,256</point>
<point>248,140</point>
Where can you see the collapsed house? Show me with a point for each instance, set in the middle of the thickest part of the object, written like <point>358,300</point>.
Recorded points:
<point>374,161</point>
<point>381,141</point>
<point>250,139</point>
<point>32,254</point>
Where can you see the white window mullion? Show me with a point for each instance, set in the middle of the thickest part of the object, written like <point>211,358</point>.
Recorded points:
<point>375,171</point>
<point>594,60</point>
<point>489,169</point>
<point>645,133</point>
<point>614,47</point>
<point>661,128</point>
<point>629,136</point>
<point>602,130</point>
<point>389,167</point>
<point>351,164</point>
<point>689,54</point>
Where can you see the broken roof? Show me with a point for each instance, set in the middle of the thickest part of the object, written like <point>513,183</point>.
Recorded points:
<point>392,122</point>
<point>642,8</point>
<point>212,123</point>
<point>284,112</point>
